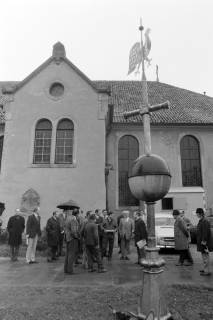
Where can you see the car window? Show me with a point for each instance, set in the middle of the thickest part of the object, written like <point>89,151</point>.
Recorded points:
<point>164,221</point>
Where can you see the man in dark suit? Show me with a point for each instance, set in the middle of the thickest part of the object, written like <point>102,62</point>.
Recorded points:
<point>140,233</point>
<point>33,231</point>
<point>92,244</point>
<point>53,231</point>
<point>15,227</point>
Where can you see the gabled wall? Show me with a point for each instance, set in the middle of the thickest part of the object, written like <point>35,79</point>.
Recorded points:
<point>84,181</point>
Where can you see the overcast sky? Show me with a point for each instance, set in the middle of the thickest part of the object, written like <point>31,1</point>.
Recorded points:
<point>98,35</point>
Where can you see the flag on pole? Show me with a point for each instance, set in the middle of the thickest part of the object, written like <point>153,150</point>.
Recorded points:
<point>135,57</point>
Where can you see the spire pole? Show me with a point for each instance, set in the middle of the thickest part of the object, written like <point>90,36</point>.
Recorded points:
<point>145,102</point>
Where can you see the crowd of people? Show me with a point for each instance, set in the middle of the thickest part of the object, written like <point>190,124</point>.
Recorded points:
<point>89,238</point>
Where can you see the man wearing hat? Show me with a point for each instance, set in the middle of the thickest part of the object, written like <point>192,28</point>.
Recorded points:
<point>92,244</point>
<point>15,227</point>
<point>204,244</point>
<point>109,228</point>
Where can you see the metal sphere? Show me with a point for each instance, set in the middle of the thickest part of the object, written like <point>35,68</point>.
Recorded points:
<point>150,178</point>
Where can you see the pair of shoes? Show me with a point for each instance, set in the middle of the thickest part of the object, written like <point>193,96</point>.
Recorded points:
<point>34,261</point>
<point>91,270</point>
<point>179,264</point>
<point>69,272</point>
<point>205,273</point>
<point>102,270</point>
<point>49,260</point>
<point>137,262</point>
<point>126,258</point>
<point>201,271</point>
<point>122,258</point>
<point>54,258</point>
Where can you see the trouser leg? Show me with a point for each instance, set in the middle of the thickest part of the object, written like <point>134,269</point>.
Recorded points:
<point>206,260</point>
<point>123,247</point>
<point>97,254</point>
<point>72,249</point>
<point>66,257</point>
<point>104,245</point>
<point>34,244</point>
<point>189,256</point>
<point>111,245</point>
<point>141,253</point>
<point>182,256</point>
<point>16,252</point>
<point>90,255</point>
<point>127,245</point>
<point>12,252</point>
<point>30,248</point>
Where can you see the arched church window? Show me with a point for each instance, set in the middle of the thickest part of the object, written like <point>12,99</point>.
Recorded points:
<point>190,161</point>
<point>128,151</point>
<point>64,142</point>
<point>1,148</point>
<point>42,143</point>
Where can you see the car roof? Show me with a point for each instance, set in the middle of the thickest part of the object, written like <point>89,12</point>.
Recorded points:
<point>163,215</point>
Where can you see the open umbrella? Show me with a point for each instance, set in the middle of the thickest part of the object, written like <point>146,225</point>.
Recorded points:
<point>68,205</point>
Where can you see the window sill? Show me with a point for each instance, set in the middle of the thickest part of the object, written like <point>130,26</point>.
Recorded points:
<point>53,165</point>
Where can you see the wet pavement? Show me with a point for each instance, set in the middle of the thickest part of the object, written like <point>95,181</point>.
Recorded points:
<point>14,274</point>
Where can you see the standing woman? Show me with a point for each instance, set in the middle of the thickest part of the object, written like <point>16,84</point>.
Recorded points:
<point>204,241</point>
<point>181,239</point>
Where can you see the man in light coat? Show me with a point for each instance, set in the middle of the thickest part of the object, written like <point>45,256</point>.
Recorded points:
<point>72,236</point>
<point>33,231</point>
<point>126,229</point>
<point>181,239</point>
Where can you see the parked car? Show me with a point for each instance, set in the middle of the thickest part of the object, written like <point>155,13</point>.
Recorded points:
<point>164,230</point>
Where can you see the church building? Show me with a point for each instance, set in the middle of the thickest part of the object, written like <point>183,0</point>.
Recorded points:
<point>64,136</point>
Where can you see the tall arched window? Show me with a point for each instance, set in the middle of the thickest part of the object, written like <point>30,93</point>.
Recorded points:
<point>128,151</point>
<point>64,142</point>
<point>42,144</point>
<point>1,148</point>
<point>190,161</point>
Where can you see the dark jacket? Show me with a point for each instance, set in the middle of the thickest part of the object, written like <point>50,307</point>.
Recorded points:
<point>109,224</point>
<point>15,227</point>
<point>140,230</point>
<point>53,232</point>
<point>181,234</point>
<point>204,234</point>
<point>91,234</point>
<point>99,221</point>
<point>72,230</point>
<point>33,226</point>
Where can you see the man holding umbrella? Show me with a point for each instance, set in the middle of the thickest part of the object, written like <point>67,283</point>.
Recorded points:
<point>71,234</point>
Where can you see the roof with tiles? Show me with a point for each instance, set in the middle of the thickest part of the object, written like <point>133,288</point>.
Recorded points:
<point>187,107</point>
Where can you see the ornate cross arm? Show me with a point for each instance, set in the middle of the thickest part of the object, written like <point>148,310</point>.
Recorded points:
<point>146,110</point>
